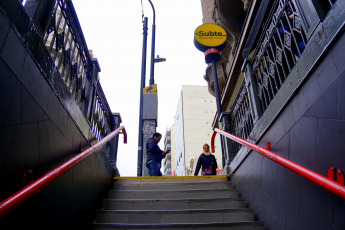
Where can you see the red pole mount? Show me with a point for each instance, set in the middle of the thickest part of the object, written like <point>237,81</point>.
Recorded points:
<point>212,54</point>
<point>27,177</point>
<point>333,186</point>
<point>268,146</point>
<point>212,141</point>
<point>124,135</point>
<point>340,177</point>
<point>336,175</point>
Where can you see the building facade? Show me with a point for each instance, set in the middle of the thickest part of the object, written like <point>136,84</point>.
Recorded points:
<point>193,128</point>
<point>172,151</point>
<point>166,162</point>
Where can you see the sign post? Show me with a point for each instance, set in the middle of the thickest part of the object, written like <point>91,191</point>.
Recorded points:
<point>210,39</point>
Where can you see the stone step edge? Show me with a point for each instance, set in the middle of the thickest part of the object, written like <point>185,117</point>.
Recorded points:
<point>187,211</point>
<point>182,180</point>
<point>171,183</point>
<point>181,190</point>
<point>175,200</point>
<point>170,177</point>
<point>183,225</point>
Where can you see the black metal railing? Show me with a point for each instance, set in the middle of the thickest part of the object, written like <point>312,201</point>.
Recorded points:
<point>63,37</point>
<point>281,44</point>
<point>100,116</point>
<point>66,44</point>
<point>241,117</point>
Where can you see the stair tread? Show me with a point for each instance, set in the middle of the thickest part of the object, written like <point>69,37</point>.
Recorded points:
<point>172,200</point>
<point>172,194</point>
<point>211,224</point>
<point>182,211</point>
<point>173,190</point>
<point>167,203</point>
<point>172,204</point>
<point>150,186</point>
<point>172,183</point>
<point>174,179</point>
<point>171,216</point>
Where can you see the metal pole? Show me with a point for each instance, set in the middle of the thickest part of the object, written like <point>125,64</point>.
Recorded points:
<point>216,89</point>
<point>142,86</point>
<point>152,81</point>
<point>219,106</point>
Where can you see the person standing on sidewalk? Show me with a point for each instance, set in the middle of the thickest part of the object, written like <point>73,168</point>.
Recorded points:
<point>154,155</point>
<point>207,161</point>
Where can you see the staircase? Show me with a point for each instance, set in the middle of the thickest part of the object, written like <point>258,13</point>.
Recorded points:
<point>175,203</point>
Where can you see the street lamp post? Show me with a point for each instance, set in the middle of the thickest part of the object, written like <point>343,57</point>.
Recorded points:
<point>152,81</point>
<point>144,132</point>
<point>159,59</point>
<point>142,86</point>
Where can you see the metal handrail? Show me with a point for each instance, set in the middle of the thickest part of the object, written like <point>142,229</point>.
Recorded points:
<point>328,184</point>
<point>27,192</point>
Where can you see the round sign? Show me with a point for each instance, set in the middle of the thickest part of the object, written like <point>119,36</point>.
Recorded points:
<point>209,36</point>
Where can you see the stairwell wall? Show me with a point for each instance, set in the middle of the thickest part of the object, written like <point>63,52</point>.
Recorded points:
<point>41,127</point>
<point>309,130</point>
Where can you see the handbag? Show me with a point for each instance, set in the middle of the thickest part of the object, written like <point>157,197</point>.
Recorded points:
<point>208,170</point>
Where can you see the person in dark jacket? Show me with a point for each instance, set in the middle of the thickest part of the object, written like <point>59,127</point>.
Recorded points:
<point>207,161</point>
<point>154,155</point>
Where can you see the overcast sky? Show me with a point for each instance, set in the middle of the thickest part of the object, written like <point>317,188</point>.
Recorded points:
<point>113,30</point>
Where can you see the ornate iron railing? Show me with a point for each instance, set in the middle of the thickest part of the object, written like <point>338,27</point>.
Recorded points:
<point>241,117</point>
<point>100,116</point>
<point>66,44</point>
<point>281,45</point>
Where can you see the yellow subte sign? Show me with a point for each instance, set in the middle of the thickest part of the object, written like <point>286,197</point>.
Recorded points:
<point>151,89</point>
<point>209,36</point>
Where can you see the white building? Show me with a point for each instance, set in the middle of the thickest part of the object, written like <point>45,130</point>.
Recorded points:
<point>195,113</point>
<point>166,162</point>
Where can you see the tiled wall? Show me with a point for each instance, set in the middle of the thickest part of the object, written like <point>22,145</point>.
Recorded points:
<point>309,131</point>
<point>39,131</point>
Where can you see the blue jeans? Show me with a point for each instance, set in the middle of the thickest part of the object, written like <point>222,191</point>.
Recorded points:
<point>154,168</point>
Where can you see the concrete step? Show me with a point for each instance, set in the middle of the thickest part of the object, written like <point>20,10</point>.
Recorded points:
<point>207,202</point>
<point>172,179</point>
<point>172,186</point>
<point>245,225</point>
<point>173,204</point>
<point>182,194</point>
<point>175,217</point>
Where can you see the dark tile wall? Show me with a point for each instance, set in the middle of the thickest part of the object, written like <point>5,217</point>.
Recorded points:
<point>39,132</point>
<point>311,132</point>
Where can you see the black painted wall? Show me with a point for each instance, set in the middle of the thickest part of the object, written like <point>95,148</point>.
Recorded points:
<point>311,132</point>
<point>41,127</point>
